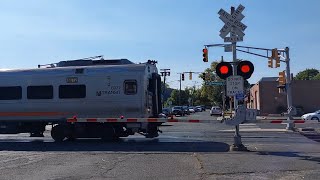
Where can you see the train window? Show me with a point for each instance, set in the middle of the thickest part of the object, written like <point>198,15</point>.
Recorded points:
<point>72,91</point>
<point>130,87</point>
<point>40,92</point>
<point>79,71</point>
<point>10,93</point>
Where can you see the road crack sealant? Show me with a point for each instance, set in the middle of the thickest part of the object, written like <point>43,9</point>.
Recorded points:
<point>199,165</point>
<point>115,164</point>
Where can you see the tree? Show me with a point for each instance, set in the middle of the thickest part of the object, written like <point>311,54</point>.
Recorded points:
<point>307,74</point>
<point>317,77</point>
<point>174,97</point>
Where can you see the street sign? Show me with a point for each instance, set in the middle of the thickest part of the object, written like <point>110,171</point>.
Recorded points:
<point>240,96</point>
<point>214,83</point>
<point>233,39</point>
<point>234,85</point>
<point>228,48</point>
<point>233,24</point>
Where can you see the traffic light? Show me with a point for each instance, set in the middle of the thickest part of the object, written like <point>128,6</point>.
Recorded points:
<point>275,56</point>
<point>224,70</point>
<point>282,78</point>
<point>270,62</point>
<point>245,69</point>
<point>190,75</point>
<point>182,77</point>
<point>203,76</point>
<point>205,54</point>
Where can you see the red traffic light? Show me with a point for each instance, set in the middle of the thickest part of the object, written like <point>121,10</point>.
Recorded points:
<point>245,69</point>
<point>205,54</point>
<point>224,70</point>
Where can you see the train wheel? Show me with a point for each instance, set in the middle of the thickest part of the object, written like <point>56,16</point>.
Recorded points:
<point>108,133</point>
<point>57,133</point>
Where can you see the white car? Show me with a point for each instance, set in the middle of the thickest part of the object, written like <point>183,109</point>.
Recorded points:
<point>191,110</point>
<point>216,110</point>
<point>312,116</point>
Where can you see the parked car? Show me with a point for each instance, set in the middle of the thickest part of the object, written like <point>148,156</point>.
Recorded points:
<point>312,116</point>
<point>186,110</point>
<point>216,110</point>
<point>191,109</point>
<point>178,110</point>
<point>166,111</point>
<point>203,107</point>
<point>198,109</point>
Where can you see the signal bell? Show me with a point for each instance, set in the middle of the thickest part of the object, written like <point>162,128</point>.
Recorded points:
<point>245,69</point>
<point>224,70</point>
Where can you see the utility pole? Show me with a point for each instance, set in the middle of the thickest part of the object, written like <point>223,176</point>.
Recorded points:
<point>180,90</point>
<point>164,73</point>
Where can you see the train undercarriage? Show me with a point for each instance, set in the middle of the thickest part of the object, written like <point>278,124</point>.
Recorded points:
<point>72,131</point>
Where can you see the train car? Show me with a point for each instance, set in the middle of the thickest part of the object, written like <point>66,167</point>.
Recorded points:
<point>30,99</point>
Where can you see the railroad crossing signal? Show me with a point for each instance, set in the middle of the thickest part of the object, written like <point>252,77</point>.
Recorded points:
<point>282,77</point>
<point>190,75</point>
<point>224,70</point>
<point>182,76</point>
<point>205,54</point>
<point>245,69</point>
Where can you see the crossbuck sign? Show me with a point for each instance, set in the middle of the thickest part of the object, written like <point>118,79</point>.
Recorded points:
<point>233,25</point>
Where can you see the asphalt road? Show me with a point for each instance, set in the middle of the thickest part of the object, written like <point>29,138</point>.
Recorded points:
<point>183,151</point>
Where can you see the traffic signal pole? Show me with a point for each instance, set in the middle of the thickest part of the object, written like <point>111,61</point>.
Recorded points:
<point>164,73</point>
<point>290,125</point>
<point>180,90</point>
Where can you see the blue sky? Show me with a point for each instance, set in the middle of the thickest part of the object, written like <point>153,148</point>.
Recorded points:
<point>172,32</point>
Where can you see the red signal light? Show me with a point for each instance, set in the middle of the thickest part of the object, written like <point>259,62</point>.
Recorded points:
<point>205,54</point>
<point>245,69</point>
<point>224,70</point>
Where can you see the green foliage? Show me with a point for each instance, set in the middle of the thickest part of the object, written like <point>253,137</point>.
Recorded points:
<point>174,98</point>
<point>317,77</point>
<point>307,74</point>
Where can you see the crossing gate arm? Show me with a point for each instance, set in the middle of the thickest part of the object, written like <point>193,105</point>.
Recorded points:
<point>276,121</point>
<point>133,120</point>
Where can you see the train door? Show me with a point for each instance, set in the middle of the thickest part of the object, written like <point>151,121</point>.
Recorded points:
<point>155,94</point>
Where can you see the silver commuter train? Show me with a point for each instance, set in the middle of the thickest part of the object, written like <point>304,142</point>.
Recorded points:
<point>33,98</point>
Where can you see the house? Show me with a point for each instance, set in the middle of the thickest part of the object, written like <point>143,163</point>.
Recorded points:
<point>268,99</point>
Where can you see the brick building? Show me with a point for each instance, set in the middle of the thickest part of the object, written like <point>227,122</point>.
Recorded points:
<point>265,96</point>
